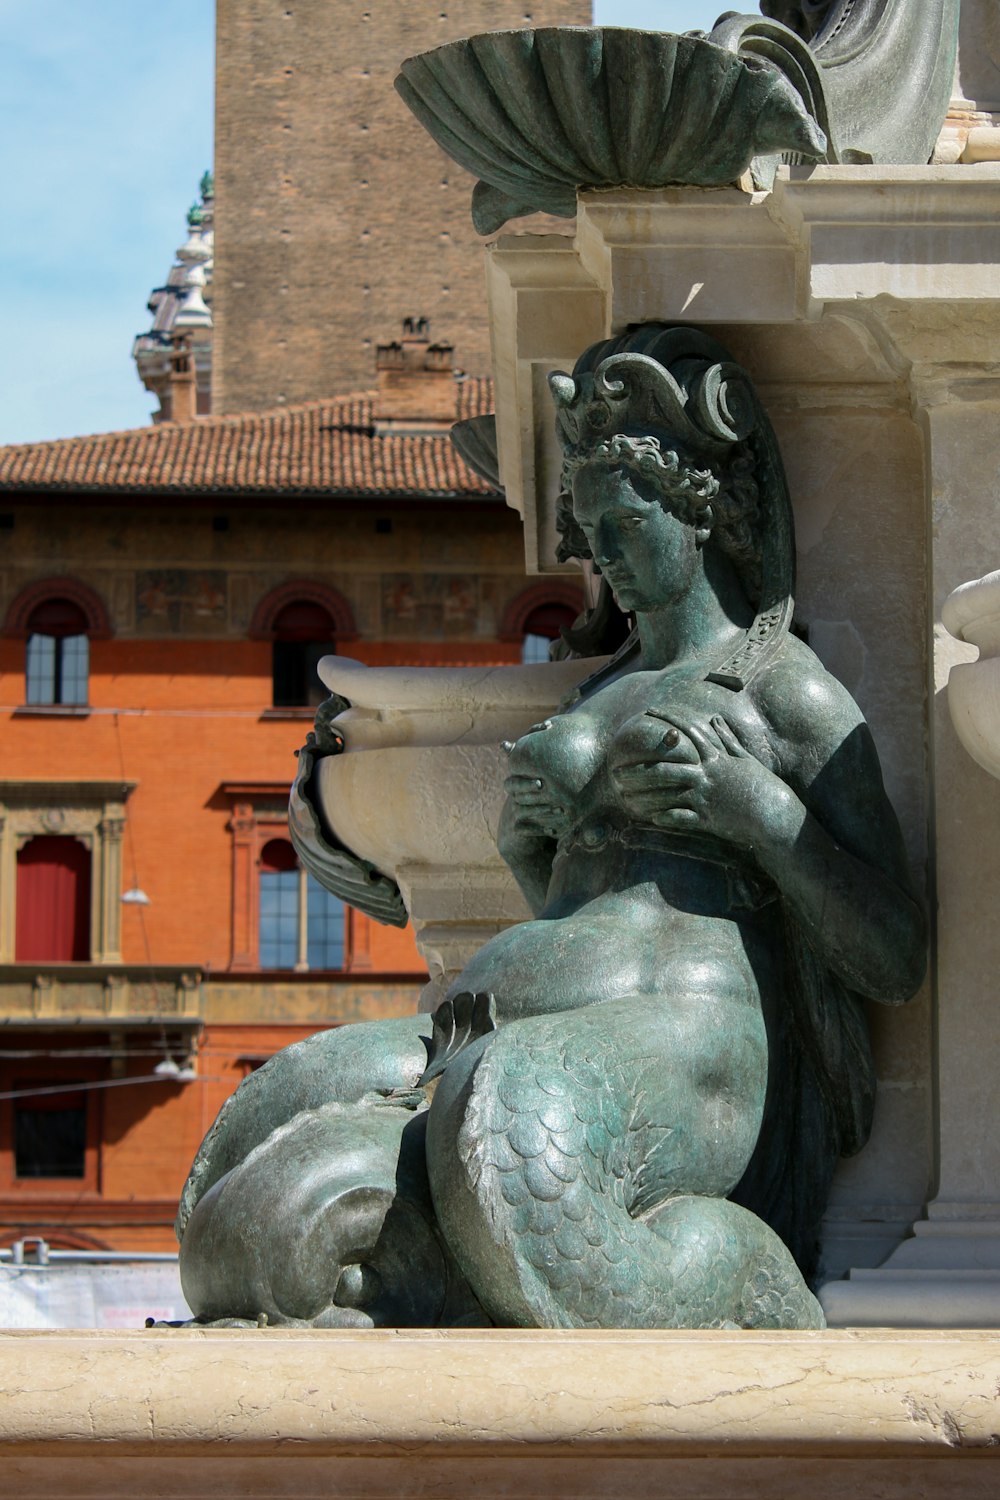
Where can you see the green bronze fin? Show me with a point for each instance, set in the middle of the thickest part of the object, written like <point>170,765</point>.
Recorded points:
<point>347,875</point>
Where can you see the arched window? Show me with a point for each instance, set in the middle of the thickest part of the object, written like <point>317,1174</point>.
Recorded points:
<point>304,619</point>
<point>541,627</point>
<point>535,616</point>
<point>279,905</point>
<point>52,903</point>
<point>303,632</point>
<point>58,653</point>
<point>302,925</point>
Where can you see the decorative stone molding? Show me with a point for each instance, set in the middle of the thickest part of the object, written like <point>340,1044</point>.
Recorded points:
<point>947,1274</point>
<point>97,994</point>
<point>971,131</point>
<point>826,240</point>
<point>80,594</point>
<point>91,811</point>
<point>309,590</point>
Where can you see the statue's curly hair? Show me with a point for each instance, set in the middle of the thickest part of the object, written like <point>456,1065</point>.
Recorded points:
<point>728,502</point>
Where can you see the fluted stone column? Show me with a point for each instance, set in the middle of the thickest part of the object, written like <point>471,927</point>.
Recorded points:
<point>108,875</point>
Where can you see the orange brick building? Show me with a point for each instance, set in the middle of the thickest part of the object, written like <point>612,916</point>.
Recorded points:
<point>168,593</point>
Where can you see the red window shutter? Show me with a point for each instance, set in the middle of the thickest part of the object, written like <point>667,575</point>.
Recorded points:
<point>53,901</point>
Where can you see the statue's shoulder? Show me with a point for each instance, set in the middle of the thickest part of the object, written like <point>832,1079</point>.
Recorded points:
<point>826,753</point>
<point>804,704</point>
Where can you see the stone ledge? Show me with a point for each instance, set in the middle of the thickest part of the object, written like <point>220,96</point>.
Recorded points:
<point>692,1415</point>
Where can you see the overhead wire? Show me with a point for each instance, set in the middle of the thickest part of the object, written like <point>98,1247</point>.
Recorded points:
<point>108,1083</point>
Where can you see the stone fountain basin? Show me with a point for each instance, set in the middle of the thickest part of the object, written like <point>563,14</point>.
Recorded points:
<point>972,614</point>
<point>420,781</point>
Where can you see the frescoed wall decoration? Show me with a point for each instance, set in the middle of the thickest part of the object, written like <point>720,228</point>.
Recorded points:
<point>180,601</point>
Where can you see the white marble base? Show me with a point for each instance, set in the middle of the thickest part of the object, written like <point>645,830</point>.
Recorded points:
<point>493,1414</point>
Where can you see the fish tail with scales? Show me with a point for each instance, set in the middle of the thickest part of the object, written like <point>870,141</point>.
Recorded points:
<point>570,1212</point>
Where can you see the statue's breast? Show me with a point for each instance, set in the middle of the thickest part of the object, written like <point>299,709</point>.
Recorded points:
<point>565,752</point>
<point>659,731</point>
<point>575,754</point>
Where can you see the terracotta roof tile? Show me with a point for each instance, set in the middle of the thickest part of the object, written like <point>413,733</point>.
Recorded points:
<point>321,447</point>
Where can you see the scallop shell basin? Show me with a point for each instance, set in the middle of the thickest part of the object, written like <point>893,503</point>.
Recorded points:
<point>538,113</point>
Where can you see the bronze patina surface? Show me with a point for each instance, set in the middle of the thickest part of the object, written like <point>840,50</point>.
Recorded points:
<point>540,113</point>
<point>627,1111</point>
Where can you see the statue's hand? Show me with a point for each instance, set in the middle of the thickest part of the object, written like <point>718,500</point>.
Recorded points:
<point>537,807</point>
<point>700,778</point>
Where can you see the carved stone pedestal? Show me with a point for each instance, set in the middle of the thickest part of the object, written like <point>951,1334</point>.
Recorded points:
<point>946,1275</point>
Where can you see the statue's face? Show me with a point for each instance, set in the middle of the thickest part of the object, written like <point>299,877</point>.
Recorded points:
<point>647,555</point>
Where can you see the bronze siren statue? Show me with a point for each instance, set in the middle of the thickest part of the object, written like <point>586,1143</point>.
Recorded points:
<point>628,1110</point>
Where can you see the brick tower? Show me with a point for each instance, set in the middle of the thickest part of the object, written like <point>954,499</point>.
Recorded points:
<point>336,215</point>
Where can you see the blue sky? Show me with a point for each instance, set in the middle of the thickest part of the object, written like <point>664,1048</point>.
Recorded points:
<point>107,125</point>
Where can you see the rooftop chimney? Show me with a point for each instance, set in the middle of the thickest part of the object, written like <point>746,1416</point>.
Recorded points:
<point>183,395</point>
<point>415,382</point>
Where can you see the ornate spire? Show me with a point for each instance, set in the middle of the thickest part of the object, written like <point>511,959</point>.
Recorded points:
<point>182,305</point>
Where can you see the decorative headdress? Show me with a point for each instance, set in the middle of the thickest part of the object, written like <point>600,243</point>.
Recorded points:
<point>680,383</point>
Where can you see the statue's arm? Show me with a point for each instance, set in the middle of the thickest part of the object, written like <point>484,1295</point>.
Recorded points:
<point>527,851</point>
<point>832,853</point>
<point>826,834</point>
<point>820,827</point>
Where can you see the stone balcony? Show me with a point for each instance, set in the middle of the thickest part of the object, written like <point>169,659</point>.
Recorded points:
<point>34,995</point>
